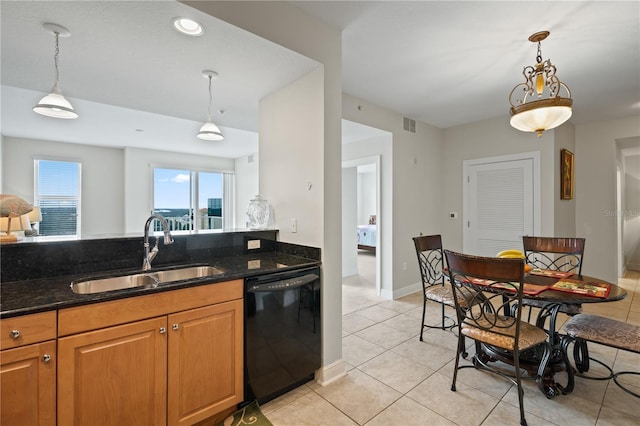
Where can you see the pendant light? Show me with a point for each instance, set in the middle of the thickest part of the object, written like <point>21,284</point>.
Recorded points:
<point>541,107</point>
<point>209,131</point>
<point>55,104</point>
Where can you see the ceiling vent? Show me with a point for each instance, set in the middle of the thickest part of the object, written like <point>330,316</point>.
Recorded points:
<point>409,125</point>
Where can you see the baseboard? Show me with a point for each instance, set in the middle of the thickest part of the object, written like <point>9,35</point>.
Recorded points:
<point>330,373</point>
<point>405,291</point>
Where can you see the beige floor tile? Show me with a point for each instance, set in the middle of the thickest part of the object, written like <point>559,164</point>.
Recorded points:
<point>377,313</point>
<point>507,414</point>
<point>407,412</point>
<point>466,406</point>
<point>309,410</point>
<point>359,396</point>
<point>404,322</point>
<point>424,353</point>
<point>562,410</point>
<point>484,381</point>
<point>354,322</point>
<point>617,399</point>
<point>399,305</point>
<point>356,350</point>
<point>385,336</point>
<point>396,371</point>
<point>611,417</point>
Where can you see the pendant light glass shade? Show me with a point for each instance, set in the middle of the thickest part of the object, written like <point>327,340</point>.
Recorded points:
<point>540,106</point>
<point>209,131</point>
<point>55,104</point>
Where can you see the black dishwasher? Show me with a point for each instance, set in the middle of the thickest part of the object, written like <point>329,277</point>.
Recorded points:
<point>282,332</point>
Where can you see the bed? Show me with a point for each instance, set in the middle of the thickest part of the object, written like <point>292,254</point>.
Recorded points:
<point>367,235</point>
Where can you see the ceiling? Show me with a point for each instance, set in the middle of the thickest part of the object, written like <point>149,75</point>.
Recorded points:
<point>135,81</point>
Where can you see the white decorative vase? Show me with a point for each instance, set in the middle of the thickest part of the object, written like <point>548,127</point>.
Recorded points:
<point>258,213</point>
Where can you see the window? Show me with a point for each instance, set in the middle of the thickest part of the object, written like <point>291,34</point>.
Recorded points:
<point>191,199</point>
<point>57,193</point>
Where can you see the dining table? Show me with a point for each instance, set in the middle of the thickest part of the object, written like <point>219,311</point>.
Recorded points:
<point>557,289</point>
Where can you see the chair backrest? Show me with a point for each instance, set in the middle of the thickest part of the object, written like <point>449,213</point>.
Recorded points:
<point>430,259</point>
<point>554,253</point>
<point>485,290</point>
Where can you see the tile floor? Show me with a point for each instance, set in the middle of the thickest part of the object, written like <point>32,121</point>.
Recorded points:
<point>394,379</point>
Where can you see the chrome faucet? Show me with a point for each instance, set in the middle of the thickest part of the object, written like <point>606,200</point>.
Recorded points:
<point>150,255</point>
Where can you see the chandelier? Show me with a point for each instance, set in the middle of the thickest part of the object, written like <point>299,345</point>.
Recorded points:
<point>538,105</point>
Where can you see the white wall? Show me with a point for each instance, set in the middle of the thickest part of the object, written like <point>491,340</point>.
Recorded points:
<point>631,210</point>
<point>595,192</point>
<point>246,185</point>
<point>349,221</point>
<point>102,179</point>
<point>490,138</point>
<point>366,196</point>
<point>291,134</point>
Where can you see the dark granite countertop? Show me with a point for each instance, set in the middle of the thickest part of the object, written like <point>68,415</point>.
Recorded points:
<point>46,294</point>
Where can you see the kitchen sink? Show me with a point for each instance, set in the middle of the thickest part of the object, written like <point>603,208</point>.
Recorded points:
<point>145,279</point>
<point>186,273</point>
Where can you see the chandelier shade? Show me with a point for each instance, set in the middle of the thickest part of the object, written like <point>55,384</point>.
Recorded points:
<point>55,104</point>
<point>209,131</point>
<point>537,104</point>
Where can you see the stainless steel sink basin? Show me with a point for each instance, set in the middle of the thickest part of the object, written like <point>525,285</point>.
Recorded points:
<point>186,273</point>
<point>146,279</point>
<point>113,283</point>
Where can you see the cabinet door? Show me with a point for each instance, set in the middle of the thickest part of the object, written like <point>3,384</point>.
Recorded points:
<point>114,376</point>
<point>205,362</point>
<point>28,385</point>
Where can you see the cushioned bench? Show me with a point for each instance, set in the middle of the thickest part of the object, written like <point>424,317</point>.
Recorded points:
<point>608,332</point>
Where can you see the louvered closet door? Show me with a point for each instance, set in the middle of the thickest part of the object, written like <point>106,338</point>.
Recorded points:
<point>501,207</point>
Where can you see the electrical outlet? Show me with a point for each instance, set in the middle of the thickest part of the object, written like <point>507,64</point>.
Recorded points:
<point>253,264</point>
<point>294,226</point>
<point>253,244</point>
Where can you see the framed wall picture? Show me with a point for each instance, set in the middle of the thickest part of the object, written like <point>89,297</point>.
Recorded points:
<point>566,174</point>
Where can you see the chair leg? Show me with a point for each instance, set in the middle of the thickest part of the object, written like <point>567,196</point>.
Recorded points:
<point>455,368</point>
<point>424,308</point>
<point>516,365</point>
<point>442,304</point>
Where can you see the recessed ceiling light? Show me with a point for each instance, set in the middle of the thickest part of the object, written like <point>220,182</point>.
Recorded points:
<point>188,26</point>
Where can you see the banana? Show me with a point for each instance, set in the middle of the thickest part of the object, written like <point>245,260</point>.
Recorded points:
<point>511,254</point>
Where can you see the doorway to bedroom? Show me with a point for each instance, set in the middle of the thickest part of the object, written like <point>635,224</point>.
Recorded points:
<point>364,149</point>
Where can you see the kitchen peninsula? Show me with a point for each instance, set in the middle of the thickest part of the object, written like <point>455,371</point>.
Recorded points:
<point>174,350</point>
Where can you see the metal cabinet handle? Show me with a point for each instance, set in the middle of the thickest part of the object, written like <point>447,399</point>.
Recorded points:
<point>163,330</point>
<point>175,326</point>
<point>14,334</point>
<point>46,358</point>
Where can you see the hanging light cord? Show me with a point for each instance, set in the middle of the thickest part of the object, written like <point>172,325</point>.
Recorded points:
<point>539,56</point>
<point>55,59</point>
<point>210,98</point>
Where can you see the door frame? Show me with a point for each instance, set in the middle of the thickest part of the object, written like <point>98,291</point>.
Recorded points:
<point>467,164</point>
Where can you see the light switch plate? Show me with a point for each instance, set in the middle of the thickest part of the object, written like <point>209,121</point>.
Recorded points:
<point>253,244</point>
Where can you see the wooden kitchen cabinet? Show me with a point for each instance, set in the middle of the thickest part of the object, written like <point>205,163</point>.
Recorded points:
<point>28,370</point>
<point>205,362</point>
<point>181,366</point>
<point>28,385</point>
<point>114,376</point>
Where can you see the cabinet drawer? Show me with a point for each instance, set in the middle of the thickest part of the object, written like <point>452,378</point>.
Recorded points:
<point>107,314</point>
<point>27,329</point>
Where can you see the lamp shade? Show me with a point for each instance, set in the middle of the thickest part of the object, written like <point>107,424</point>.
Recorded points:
<point>35,215</point>
<point>210,132</point>
<point>55,105</point>
<point>13,206</point>
<point>538,116</point>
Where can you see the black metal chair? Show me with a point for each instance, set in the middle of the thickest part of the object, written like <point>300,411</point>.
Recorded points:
<point>490,288</point>
<point>431,262</point>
